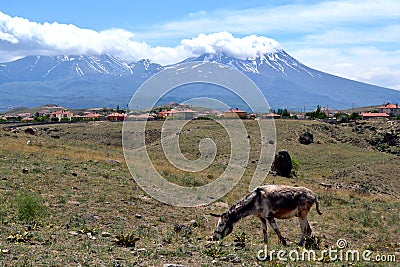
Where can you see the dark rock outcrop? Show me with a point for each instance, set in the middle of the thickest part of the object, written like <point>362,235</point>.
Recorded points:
<point>306,138</point>
<point>282,164</point>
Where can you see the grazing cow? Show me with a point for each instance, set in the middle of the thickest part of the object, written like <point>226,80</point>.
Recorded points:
<point>269,202</point>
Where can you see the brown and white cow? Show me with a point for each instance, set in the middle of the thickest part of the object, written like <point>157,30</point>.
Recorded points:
<point>269,202</point>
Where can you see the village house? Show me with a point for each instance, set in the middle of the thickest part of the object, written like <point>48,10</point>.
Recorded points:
<point>89,116</point>
<point>328,111</point>
<point>184,114</point>
<point>234,113</point>
<point>27,119</point>
<point>141,117</point>
<point>115,117</point>
<point>373,115</point>
<point>61,114</point>
<point>391,109</point>
<point>25,115</point>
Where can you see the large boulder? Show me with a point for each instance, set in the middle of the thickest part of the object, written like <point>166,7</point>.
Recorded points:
<point>390,139</point>
<point>306,138</point>
<point>30,130</point>
<point>282,164</point>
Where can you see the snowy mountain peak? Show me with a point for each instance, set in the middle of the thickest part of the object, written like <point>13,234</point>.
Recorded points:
<point>145,67</point>
<point>271,63</point>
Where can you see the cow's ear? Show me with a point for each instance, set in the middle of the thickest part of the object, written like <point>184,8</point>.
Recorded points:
<point>215,215</point>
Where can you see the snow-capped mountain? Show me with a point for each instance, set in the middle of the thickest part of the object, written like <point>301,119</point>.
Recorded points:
<point>145,67</point>
<point>47,68</point>
<point>278,63</point>
<point>105,80</point>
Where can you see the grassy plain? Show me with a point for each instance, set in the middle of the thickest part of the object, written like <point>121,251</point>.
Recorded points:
<point>85,197</point>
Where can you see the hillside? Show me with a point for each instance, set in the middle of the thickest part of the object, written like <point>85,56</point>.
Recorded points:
<point>89,196</point>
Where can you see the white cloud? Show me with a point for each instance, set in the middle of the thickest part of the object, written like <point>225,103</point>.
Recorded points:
<point>19,35</point>
<point>365,64</point>
<point>223,42</point>
<point>296,18</point>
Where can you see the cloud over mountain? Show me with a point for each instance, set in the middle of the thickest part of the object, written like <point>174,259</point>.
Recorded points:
<point>223,42</point>
<point>22,37</point>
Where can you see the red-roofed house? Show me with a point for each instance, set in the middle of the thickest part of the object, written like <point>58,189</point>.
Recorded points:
<point>373,115</point>
<point>115,117</point>
<point>61,114</point>
<point>26,119</point>
<point>391,109</point>
<point>234,113</point>
<point>89,117</point>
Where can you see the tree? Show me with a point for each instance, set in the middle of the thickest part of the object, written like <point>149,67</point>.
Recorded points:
<point>317,114</point>
<point>355,116</point>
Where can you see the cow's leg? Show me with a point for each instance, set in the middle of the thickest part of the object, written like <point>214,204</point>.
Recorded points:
<point>272,222</point>
<point>305,230</point>
<point>264,227</point>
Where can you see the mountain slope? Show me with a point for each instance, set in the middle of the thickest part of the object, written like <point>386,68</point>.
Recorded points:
<point>104,80</point>
<point>286,82</point>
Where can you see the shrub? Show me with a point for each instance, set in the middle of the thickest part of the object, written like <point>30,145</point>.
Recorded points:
<point>295,167</point>
<point>30,207</point>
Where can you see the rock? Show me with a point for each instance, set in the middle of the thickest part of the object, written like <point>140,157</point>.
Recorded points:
<point>326,185</point>
<point>105,234</point>
<point>306,138</point>
<point>25,170</point>
<point>90,217</point>
<point>73,233</point>
<point>138,216</point>
<point>282,164</point>
<point>173,265</point>
<point>90,236</point>
<point>390,139</point>
<point>30,130</point>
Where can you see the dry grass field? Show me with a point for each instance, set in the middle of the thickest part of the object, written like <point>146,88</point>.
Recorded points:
<point>67,197</point>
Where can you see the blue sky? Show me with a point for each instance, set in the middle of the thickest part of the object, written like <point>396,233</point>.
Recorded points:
<point>356,39</point>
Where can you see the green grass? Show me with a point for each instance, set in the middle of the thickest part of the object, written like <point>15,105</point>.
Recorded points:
<point>72,189</point>
<point>30,208</point>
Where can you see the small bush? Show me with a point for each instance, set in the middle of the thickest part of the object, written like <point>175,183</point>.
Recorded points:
<point>30,207</point>
<point>295,167</point>
<point>128,240</point>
